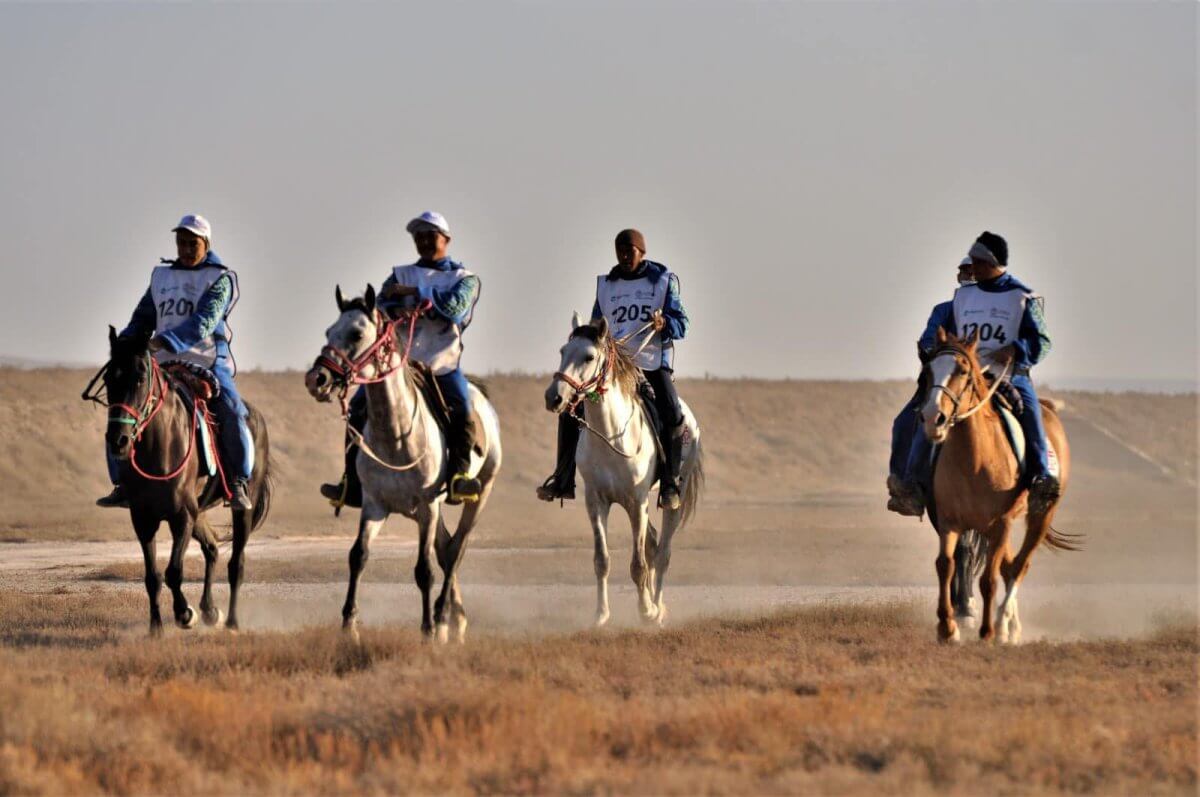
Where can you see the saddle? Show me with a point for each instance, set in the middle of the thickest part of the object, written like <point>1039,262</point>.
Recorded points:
<point>194,383</point>
<point>427,386</point>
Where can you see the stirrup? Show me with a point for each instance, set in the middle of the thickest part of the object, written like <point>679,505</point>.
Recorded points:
<point>470,496</point>
<point>550,491</point>
<point>665,498</point>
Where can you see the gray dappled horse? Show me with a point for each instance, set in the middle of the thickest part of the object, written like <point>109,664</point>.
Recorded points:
<point>151,432</point>
<point>402,459</point>
<point>618,460</point>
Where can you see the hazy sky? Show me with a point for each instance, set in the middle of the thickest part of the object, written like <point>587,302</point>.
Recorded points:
<point>813,171</point>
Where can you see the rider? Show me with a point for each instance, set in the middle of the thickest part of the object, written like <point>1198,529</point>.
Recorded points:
<point>186,309</point>
<point>451,291</point>
<point>634,293</point>
<point>1008,318</point>
<point>907,423</point>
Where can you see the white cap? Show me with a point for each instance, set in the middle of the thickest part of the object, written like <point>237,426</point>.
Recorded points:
<point>429,219</point>
<point>966,261</point>
<point>195,224</point>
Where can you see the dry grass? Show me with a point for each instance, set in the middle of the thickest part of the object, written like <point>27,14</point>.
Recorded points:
<point>828,699</point>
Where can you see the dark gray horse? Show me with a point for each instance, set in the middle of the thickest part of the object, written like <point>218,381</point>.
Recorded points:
<point>151,433</point>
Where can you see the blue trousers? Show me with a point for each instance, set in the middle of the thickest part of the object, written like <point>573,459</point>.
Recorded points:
<point>234,440</point>
<point>1036,461</point>
<point>904,427</point>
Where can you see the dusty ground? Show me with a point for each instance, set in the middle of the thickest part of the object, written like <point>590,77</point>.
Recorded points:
<point>839,688</point>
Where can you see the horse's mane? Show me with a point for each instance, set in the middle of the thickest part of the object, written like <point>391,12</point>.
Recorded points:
<point>624,369</point>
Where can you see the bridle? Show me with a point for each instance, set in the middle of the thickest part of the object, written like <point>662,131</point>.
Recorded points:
<point>347,370</point>
<point>381,354</point>
<point>596,387</point>
<point>140,419</point>
<point>972,384</point>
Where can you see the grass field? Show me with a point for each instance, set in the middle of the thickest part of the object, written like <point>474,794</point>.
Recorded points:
<point>817,700</point>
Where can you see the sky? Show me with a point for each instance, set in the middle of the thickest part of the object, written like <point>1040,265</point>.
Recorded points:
<point>812,171</point>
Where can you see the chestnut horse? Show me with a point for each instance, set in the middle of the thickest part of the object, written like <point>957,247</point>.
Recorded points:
<point>978,485</point>
<point>152,433</point>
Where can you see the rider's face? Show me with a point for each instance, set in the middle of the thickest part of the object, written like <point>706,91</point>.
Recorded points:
<point>431,244</point>
<point>966,274</point>
<point>190,247</point>
<point>629,256</point>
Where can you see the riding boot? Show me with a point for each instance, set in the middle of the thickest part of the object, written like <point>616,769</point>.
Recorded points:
<point>117,498</point>
<point>668,490</point>
<point>347,492</point>
<point>461,487</point>
<point>561,484</point>
<point>240,498</point>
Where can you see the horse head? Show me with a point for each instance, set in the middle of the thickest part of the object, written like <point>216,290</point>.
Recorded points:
<point>583,364</point>
<point>128,381</point>
<point>352,334</point>
<point>953,371</point>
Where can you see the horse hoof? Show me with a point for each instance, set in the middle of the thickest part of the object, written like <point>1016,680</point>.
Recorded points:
<point>966,620</point>
<point>156,630</point>
<point>460,629</point>
<point>231,626</point>
<point>213,617</point>
<point>442,633</point>
<point>601,619</point>
<point>951,638</point>
<point>187,619</point>
<point>351,632</point>
<point>662,615</point>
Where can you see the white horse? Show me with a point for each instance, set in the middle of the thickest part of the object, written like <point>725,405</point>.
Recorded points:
<point>617,456</point>
<point>403,460</point>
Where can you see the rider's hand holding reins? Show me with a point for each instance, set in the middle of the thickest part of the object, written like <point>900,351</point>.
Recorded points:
<point>658,321</point>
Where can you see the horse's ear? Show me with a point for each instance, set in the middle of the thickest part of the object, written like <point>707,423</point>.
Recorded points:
<point>112,336</point>
<point>601,327</point>
<point>369,298</point>
<point>576,321</point>
<point>341,303</point>
<point>941,335</point>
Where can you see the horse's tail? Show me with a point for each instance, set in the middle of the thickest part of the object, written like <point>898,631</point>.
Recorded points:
<point>266,485</point>
<point>694,486</point>
<point>1063,541</point>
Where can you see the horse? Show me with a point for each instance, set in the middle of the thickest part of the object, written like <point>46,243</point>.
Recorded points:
<point>977,485</point>
<point>152,431</point>
<point>618,460</point>
<point>402,459</point>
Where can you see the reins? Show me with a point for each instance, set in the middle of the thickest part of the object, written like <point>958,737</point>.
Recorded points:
<point>955,417</point>
<point>595,388</point>
<point>348,371</point>
<point>141,418</point>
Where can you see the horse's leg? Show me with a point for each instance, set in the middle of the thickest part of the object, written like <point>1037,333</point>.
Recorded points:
<point>639,568</point>
<point>237,563</point>
<point>961,587</point>
<point>370,521</point>
<point>209,612</point>
<point>146,529</point>
<point>662,559</point>
<point>997,536</point>
<point>427,522</point>
<point>451,551</point>
<point>1037,527</point>
<point>598,510</point>
<point>181,535</point>
<point>947,628</point>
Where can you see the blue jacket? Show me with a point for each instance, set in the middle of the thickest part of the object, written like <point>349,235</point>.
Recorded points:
<point>1033,341</point>
<point>452,305</point>
<point>209,318</point>
<point>942,316</point>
